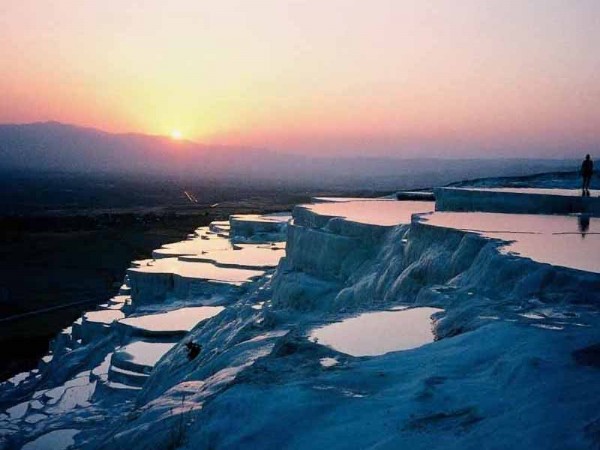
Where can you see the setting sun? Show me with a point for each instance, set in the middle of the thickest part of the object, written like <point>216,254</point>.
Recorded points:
<point>176,134</point>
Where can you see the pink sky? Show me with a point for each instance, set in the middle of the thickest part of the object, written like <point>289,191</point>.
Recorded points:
<point>395,77</point>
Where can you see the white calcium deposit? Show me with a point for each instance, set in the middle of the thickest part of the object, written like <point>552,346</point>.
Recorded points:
<point>383,324</point>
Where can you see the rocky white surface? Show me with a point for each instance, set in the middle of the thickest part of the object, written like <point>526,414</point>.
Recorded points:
<point>568,241</point>
<point>517,200</point>
<point>512,360</point>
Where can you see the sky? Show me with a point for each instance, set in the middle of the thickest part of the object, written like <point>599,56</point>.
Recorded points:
<point>405,78</point>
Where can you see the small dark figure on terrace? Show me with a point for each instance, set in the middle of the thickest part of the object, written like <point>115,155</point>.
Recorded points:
<point>193,349</point>
<point>587,170</point>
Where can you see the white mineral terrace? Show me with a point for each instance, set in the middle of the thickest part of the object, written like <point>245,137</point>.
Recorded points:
<point>567,241</point>
<point>244,256</point>
<point>217,226</point>
<point>144,353</point>
<point>194,246</point>
<point>183,319</point>
<point>538,191</point>
<point>197,270</point>
<point>517,200</point>
<point>377,333</point>
<point>258,218</point>
<point>372,212</point>
<point>117,378</point>
<point>103,316</point>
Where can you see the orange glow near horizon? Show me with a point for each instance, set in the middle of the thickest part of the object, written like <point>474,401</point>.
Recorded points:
<point>343,77</point>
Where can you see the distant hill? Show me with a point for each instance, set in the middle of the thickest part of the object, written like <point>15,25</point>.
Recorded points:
<point>57,147</point>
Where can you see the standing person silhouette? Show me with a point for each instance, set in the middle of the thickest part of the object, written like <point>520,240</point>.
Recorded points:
<point>587,170</point>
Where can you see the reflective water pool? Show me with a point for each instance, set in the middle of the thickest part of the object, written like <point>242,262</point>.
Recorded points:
<point>377,333</point>
<point>373,212</point>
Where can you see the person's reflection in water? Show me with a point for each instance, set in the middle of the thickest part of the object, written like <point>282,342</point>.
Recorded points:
<point>584,224</point>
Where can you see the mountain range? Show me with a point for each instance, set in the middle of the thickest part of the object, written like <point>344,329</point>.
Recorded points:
<point>58,147</point>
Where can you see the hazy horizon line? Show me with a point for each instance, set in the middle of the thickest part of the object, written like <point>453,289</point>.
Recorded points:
<point>185,141</point>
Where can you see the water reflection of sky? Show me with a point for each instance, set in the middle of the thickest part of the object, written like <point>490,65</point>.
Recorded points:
<point>183,319</point>
<point>379,332</point>
<point>196,270</point>
<point>569,241</point>
<point>373,212</point>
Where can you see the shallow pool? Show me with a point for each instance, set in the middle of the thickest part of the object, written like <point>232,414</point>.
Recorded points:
<point>183,319</point>
<point>377,333</point>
